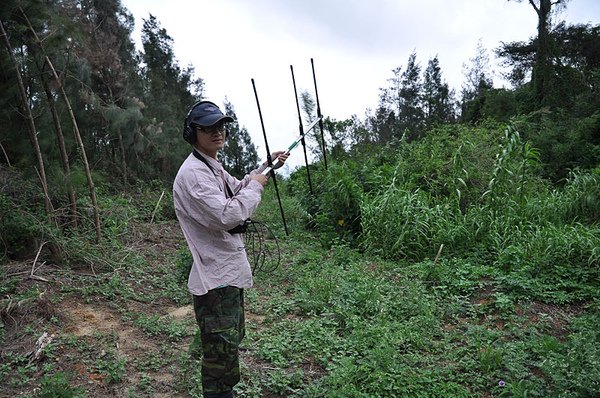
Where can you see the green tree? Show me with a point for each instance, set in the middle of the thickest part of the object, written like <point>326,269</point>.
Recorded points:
<point>340,133</point>
<point>114,86</point>
<point>575,66</point>
<point>437,98</point>
<point>169,92</point>
<point>410,114</point>
<point>400,111</point>
<point>567,131</point>
<point>477,82</point>
<point>384,123</point>
<point>239,156</point>
<point>384,126</point>
<point>543,69</point>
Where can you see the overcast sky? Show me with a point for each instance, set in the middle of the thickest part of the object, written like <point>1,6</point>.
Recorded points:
<point>355,45</point>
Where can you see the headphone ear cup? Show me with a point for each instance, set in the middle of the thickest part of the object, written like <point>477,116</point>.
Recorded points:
<point>189,134</point>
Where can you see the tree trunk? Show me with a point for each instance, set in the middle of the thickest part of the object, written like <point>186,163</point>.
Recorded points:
<point>542,68</point>
<point>26,110</point>
<point>123,159</point>
<point>62,149</point>
<point>76,132</point>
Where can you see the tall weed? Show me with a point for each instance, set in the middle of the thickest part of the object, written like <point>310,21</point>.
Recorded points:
<point>582,196</point>
<point>513,173</point>
<point>399,224</point>
<point>543,240</point>
<point>553,263</point>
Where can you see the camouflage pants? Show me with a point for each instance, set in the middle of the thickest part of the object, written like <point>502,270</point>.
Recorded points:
<point>220,316</point>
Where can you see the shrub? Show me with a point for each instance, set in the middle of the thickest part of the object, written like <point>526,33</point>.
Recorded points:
<point>59,386</point>
<point>553,263</point>
<point>20,230</point>
<point>565,143</point>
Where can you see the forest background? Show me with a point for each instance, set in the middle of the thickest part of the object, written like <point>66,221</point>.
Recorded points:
<point>441,219</point>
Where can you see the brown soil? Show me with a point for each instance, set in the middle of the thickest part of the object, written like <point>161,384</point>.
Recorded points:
<point>90,329</point>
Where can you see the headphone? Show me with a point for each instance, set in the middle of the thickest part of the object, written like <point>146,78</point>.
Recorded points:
<point>189,130</point>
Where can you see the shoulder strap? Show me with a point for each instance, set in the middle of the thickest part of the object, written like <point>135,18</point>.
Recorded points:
<point>229,193</point>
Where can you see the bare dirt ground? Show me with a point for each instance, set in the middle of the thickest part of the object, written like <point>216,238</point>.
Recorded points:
<point>96,339</point>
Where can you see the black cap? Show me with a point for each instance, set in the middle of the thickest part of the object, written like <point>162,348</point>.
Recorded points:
<point>207,113</point>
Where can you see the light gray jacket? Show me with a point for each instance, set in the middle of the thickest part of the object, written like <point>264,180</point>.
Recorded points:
<point>205,215</point>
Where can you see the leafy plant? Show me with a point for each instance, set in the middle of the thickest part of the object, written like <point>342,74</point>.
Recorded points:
<point>58,385</point>
<point>112,368</point>
<point>19,229</point>
<point>156,325</point>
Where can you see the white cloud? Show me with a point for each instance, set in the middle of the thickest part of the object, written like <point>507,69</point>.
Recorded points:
<point>355,45</point>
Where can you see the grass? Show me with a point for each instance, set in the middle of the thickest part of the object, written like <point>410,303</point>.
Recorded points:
<point>330,321</point>
<point>376,328</point>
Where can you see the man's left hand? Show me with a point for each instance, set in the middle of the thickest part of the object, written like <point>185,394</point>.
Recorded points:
<point>279,158</point>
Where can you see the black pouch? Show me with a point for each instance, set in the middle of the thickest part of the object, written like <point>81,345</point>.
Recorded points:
<point>240,229</point>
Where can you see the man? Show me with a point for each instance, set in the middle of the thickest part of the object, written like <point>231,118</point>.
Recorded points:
<point>211,207</point>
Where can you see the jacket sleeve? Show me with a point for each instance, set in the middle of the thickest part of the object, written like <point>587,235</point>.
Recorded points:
<point>208,205</point>
<point>237,185</point>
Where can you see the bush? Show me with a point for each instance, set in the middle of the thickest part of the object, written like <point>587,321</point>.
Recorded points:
<point>20,230</point>
<point>334,206</point>
<point>58,386</point>
<point>565,143</point>
<point>553,263</point>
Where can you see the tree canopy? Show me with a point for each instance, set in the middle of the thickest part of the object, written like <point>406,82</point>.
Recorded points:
<point>79,101</point>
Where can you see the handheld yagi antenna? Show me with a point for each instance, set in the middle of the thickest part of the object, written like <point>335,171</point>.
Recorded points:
<point>293,145</point>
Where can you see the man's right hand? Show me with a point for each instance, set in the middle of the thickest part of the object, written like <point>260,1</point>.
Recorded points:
<point>262,179</point>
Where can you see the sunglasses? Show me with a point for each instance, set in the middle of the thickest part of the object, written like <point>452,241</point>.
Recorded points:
<point>216,128</point>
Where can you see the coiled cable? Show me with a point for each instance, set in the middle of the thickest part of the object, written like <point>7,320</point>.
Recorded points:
<point>262,247</point>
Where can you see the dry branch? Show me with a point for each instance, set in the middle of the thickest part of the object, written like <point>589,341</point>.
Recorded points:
<point>156,207</point>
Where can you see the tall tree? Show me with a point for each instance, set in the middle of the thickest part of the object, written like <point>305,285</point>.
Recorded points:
<point>575,64</point>
<point>385,121</point>
<point>114,81</point>
<point>341,135</point>
<point>25,107</point>
<point>169,92</point>
<point>542,73</point>
<point>478,81</point>
<point>410,110</point>
<point>568,133</point>
<point>542,68</point>
<point>400,111</point>
<point>384,125</point>
<point>239,155</point>
<point>437,97</point>
<point>76,132</point>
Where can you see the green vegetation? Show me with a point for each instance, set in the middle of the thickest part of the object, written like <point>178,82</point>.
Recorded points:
<point>508,307</point>
<point>470,275</point>
<point>450,248</point>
